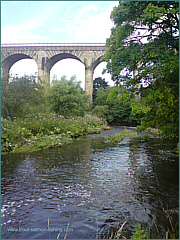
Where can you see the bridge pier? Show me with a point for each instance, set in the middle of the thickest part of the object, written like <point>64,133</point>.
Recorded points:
<point>43,71</point>
<point>43,75</point>
<point>46,55</point>
<point>4,72</point>
<point>89,82</point>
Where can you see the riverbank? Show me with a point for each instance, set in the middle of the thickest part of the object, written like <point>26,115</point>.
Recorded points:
<point>43,131</point>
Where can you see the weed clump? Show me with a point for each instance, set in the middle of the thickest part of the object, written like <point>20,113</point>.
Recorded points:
<point>41,131</point>
<point>119,137</point>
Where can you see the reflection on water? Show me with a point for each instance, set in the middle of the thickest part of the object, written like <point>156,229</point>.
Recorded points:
<point>88,185</point>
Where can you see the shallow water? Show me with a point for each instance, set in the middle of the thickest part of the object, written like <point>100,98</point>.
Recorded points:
<point>88,186</point>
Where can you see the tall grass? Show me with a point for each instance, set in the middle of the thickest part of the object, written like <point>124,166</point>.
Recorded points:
<point>139,233</point>
<point>53,127</point>
<point>119,137</point>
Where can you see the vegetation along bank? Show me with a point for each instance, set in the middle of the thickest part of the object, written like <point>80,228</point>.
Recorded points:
<point>28,108</point>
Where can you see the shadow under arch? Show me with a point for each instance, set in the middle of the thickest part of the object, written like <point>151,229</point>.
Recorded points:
<point>9,61</point>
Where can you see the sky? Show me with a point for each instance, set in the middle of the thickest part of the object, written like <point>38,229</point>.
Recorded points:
<point>57,22</point>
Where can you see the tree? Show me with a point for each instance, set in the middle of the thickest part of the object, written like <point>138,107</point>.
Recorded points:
<point>100,107</point>
<point>66,97</point>
<point>101,96</point>
<point>145,39</point>
<point>18,96</point>
<point>98,83</point>
<point>120,111</point>
<point>114,104</point>
<point>160,105</point>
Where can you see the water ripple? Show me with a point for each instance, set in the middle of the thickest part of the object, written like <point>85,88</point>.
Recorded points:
<point>88,183</point>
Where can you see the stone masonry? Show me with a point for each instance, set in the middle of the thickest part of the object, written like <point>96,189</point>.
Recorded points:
<point>46,55</point>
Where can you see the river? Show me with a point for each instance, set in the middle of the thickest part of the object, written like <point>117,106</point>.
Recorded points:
<point>87,188</point>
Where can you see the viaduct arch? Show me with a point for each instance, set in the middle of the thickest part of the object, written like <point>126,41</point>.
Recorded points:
<point>46,55</point>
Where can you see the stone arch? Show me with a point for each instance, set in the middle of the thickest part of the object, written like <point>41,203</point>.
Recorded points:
<point>97,62</point>
<point>8,62</point>
<point>47,55</point>
<point>58,57</point>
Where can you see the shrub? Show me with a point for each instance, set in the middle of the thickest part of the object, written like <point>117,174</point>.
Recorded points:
<point>66,97</point>
<point>101,111</point>
<point>18,96</point>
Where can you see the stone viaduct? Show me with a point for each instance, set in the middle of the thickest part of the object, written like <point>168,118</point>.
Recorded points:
<point>46,55</point>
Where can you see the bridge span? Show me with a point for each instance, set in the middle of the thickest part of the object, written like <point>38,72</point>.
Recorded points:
<point>47,54</point>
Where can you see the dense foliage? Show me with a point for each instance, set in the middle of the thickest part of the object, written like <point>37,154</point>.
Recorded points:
<point>160,103</point>
<point>98,83</point>
<point>41,131</point>
<point>20,96</point>
<point>66,97</point>
<point>114,104</point>
<point>145,41</point>
<point>37,116</point>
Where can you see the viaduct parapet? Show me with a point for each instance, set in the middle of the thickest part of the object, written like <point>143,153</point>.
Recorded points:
<point>46,55</point>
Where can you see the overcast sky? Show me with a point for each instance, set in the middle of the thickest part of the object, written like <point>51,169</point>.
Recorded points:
<point>53,22</point>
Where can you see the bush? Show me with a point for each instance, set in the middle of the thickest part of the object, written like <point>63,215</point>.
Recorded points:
<point>40,131</point>
<point>66,97</point>
<point>18,96</point>
<point>114,104</point>
<point>101,111</point>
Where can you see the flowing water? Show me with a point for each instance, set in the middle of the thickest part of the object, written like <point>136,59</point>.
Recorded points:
<point>87,188</point>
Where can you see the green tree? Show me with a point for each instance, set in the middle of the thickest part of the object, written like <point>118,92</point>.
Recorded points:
<point>146,32</point>
<point>114,104</point>
<point>120,111</point>
<point>98,83</point>
<point>18,96</point>
<point>101,96</point>
<point>160,105</point>
<point>100,107</point>
<point>145,39</point>
<point>66,97</point>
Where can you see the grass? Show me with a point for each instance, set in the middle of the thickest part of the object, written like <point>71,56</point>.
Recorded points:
<point>155,132</point>
<point>41,131</point>
<point>139,233</point>
<point>119,137</point>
